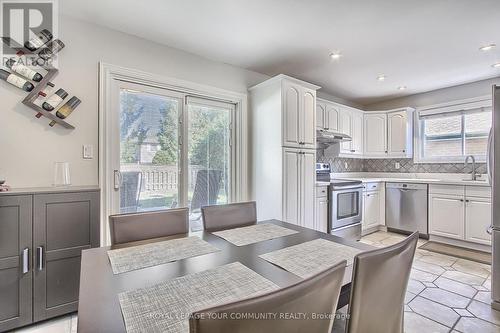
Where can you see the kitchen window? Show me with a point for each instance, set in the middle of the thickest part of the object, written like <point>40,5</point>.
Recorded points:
<point>449,133</point>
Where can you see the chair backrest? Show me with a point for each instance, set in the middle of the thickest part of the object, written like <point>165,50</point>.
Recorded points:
<point>379,282</point>
<point>130,189</point>
<point>145,225</point>
<point>206,188</point>
<point>316,295</point>
<point>220,217</point>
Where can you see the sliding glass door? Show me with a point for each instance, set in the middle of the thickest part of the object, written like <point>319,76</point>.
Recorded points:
<point>170,150</point>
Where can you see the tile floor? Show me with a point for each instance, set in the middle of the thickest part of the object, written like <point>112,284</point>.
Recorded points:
<point>445,294</point>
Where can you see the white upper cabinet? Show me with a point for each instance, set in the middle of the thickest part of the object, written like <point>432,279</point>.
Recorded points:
<point>399,134</point>
<point>357,133</point>
<point>299,115</point>
<point>345,126</point>
<point>351,123</point>
<point>375,136</point>
<point>320,115</point>
<point>327,115</point>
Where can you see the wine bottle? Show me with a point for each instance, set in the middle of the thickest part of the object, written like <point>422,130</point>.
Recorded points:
<point>23,70</point>
<point>42,96</point>
<point>66,109</point>
<point>50,50</point>
<point>16,80</point>
<point>53,101</point>
<point>39,40</point>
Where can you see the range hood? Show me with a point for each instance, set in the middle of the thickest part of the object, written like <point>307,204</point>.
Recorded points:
<point>325,138</point>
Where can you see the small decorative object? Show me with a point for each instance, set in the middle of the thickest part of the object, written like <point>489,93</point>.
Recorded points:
<point>61,174</point>
<point>67,108</point>
<point>53,101</point>
<point>18,67</point>
<point>16,80</point>
<point>39,40</point>
<point>48,52</point>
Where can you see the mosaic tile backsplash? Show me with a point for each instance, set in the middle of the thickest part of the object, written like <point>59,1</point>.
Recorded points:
<point>389,165</point>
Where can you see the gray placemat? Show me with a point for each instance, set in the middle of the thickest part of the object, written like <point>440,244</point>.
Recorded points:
<point>254,233</point>
<point>166,307</point>
<point>153,254</point>
<point>312,257</point>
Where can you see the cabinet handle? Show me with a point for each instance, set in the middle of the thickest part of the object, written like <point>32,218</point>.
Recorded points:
<point>353,151</point>
<point>467,200</point>
<point>26,260</point>
<point>39,258</point>
<point>489,230</point>
<point>404,151</point>
<point>461,200</point>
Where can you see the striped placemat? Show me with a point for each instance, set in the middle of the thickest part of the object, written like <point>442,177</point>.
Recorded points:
<point>311,257</point>
<point>166,307</point>
<point>153,254</point>
<point>254,233</point>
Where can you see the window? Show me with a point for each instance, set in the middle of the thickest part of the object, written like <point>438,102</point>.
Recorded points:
<point>450,133</point>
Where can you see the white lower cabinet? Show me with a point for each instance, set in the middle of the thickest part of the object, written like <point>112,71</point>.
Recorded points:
<point>478,217</point>
<point>321,209</point>
<point>371,210</point>
<point>446,215</point>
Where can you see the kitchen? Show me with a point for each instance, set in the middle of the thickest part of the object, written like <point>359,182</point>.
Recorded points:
<point>191,166</point>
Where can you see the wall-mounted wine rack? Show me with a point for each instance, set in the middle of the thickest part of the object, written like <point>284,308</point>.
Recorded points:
<point>34,94</point>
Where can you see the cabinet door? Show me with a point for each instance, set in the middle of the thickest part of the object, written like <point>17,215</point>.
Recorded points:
<point>307,125</point>
<point>321,215</point>
<point>477,220</point>
<point>292,99</point>
<point>320,115</point>
<point>332,117</point>
<point>371,210</point>
<point>397,133</point>
<point>375,136</point>
<point>291,186</point>
<point>345,128</point>
<point>447,216</point>
<point>357,133</point>
<point>308,187</point>
<point>15,276</point>
<point>64,225</point>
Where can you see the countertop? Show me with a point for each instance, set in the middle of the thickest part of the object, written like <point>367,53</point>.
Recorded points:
<point>53,189</point>
<point>412,180</point>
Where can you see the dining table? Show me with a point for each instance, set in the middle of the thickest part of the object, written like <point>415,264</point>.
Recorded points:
<point>99,307</point>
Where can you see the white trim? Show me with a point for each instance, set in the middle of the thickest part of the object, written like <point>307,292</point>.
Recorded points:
<point>281,77</point>
<point>109,72</point>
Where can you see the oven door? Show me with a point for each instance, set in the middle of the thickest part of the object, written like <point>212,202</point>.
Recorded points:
<point>346,206</point>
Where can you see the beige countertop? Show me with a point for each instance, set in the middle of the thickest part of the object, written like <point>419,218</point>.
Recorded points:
<point>53,189</point>
<point>429,180</point>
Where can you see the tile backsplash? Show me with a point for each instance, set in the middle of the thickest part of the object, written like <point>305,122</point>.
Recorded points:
<point>406,165</point>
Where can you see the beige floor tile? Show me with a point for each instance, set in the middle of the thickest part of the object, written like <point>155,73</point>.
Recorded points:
<point>376,236</point>
<point>427,267</point>
<point>415,286</point>
<point>463,313</point>
<point>455,286</point>
<point>483,296</point>
<point>74,323</point>
<point>463,277</point>
<point>472,267</point>
<point>409,296</point>
<point>476,325</point>
<point>422,276</point>
<point>487,284</point>
<point>435,311</point>
<point>484,311</point>
<point>445,297</point>
<point>438,259</point>
<point>415,323</point>
<point>57,325</point>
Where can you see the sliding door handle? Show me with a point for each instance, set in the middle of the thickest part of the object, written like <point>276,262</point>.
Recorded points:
<point>39,258</point>
<point>117,179</point>
<point>26,260</point>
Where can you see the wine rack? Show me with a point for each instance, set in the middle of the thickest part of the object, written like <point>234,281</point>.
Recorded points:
<point>33,95</point>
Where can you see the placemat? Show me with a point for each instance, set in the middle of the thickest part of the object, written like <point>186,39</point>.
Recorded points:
<point>153,254</point>
<point>254,233</point>
<point>166,307</point>
<point>311,257</point>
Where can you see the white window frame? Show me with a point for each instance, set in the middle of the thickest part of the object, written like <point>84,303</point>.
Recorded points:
<point>109,73</point>
<point>444,108</point>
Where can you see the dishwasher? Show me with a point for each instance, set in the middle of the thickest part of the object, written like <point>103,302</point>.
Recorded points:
<point>406,208</point>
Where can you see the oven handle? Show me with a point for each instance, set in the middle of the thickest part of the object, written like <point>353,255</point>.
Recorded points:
<point>341,188</point>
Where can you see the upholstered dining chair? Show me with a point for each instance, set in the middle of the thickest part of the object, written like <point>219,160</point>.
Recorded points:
<point>133,227</point>
<point>379,282</point>
<point>220,217</point>
<point>318,294</point>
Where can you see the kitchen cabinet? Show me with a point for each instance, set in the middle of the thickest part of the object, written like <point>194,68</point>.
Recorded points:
<point>399,134</point>
<point>478,219</point>
<point>299,187</point>
<point>345,125</point>
<point>371,211</point>
<point>41,239</point>
<point>321,115</point>
<point>321,210</point>
<point>446,216</point>
<point>375,134</point>
<point>351,123</point>
<point>327,115</point>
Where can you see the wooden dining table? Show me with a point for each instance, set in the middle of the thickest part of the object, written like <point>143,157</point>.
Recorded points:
<point>99,308</point>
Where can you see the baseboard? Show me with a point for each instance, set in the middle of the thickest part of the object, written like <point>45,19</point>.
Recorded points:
<point>461,243</point>
<point>373,229</point>
<point>495,305</point>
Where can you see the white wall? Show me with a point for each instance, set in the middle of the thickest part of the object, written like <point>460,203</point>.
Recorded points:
<point>464,91</point>
<point>29,147</point>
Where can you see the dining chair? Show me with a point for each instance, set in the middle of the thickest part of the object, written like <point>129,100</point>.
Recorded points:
<point>133,227</point>
<point>379,282</point>
<point>318,294</point>
<point>220,217</point>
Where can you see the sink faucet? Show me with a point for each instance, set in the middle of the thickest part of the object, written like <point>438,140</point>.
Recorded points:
<point>474,174</point>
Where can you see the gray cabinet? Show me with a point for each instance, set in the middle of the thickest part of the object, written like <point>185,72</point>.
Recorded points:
<point>15,282</point>
<point>49,230</point>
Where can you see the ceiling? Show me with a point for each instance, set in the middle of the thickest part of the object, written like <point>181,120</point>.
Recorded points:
<point>423,45</point>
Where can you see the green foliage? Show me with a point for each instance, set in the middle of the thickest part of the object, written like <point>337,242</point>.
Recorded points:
<point>167,138</point>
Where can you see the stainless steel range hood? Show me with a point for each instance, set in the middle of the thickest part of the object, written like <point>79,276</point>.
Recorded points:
<point>325,138</point>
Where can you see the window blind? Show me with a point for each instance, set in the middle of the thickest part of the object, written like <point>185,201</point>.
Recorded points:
<point>455,109</point>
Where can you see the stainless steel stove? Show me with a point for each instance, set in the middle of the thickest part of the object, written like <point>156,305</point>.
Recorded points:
<point>345,203</point>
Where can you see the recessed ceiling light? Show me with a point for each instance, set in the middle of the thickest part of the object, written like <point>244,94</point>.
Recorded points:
<point>335,55</point>
<point>497,65</point>
<point>401,87</point>
<point>487,47</point>
<point>381,77</point>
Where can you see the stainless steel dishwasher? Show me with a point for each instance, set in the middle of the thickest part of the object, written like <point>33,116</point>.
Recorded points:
<point>406,208</point>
